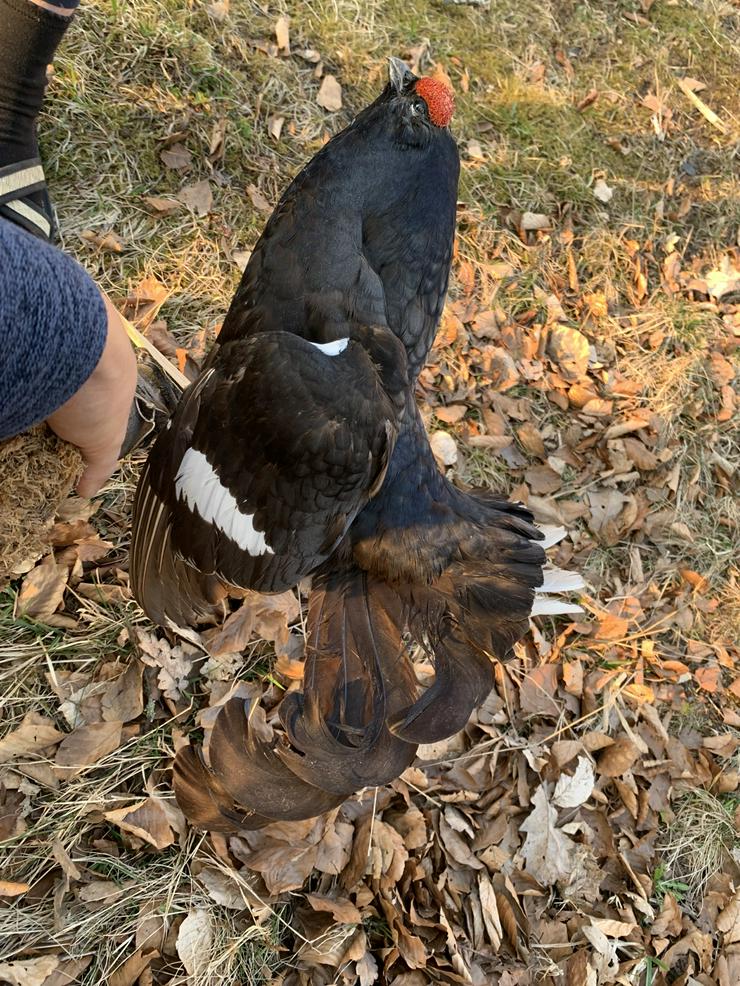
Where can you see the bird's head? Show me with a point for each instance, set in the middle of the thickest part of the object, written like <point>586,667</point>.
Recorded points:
<point>422,104</point>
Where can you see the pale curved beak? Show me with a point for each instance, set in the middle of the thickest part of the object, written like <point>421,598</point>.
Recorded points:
<point>400,74</point>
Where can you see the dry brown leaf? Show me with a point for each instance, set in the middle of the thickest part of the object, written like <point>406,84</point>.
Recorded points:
<point>103,890</point>
<point>42,589</point>
<point>605,507</point>
<point>144,301</point>
<point>330,94</point>
<point>124,699</point>
<point>162,205</point>
<point>546,849</point>
<point>174,663</point>
<point>282,34</point>
<point>241,258</point>
<point>728,921</point>
<point>335,848</point>
<point>618,758</point>
<point>444,448</point>
<point>456,847</point>
<point>62,857</point>
<point>85,746</point>
<point>128,973</point>
<point>234,635</point>
<point>10,889</point>
<point>451,414</point>
<point>538,690</point>
<point>258,200</point>
<point>569,348</point>
<point>223,889</point>
<point>146,820</point>
<point>367,969</point>
<point>668,923</point>
<point>28,972</point>
<point>642,457</point>
<point>573,791</point>
<point>34,734</point>
<point>108,242</point>
<point>195,942</point>
<point>504,372</point>
<point>283,867</point>
<point>69,972</point>
<point>613,929</point>
<point>275,126</point>
<point>177,157</point>
<point>341,909</point>
<point>530,439</point>
<point>542,479</point>
<point>198,197</point>
<point>611,627</point>
<point>708,679</point>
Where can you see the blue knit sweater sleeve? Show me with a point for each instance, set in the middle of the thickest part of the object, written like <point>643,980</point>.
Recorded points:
<point>53,328</point>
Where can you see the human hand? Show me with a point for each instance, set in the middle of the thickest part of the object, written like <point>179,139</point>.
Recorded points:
<point>95,418</point>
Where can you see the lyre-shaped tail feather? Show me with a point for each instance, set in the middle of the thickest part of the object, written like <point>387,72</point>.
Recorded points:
<point>250,769</point>
<point>463,677</point>
<point>358,676</point>
<point>205,801</point>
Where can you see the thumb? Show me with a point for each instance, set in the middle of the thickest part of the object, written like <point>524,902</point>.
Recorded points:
<point>98,469</point>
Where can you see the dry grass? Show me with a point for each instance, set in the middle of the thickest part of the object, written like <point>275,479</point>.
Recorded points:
<point>699,841</point>
<point>134,74</point>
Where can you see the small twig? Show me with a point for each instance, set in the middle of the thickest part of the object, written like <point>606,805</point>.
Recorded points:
<point>141,342</point>
<point>705,111</point>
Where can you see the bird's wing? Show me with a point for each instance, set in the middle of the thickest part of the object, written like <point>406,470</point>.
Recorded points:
<point>269,457</point>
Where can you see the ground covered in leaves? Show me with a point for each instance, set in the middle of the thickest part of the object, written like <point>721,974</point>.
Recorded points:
<point>585,827</point>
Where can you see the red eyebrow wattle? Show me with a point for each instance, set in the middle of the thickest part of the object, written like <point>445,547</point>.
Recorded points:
<point>439,98</point>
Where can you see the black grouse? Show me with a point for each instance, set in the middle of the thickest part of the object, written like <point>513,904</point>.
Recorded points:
<point>300,451</point>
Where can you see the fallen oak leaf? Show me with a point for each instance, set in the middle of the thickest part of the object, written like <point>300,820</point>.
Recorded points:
<point>174,663</point>
<point>367,969</point>
<point>546,850</point>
